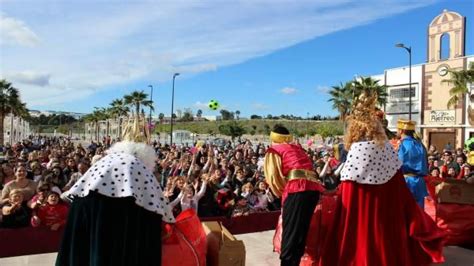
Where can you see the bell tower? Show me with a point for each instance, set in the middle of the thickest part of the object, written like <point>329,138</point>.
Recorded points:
<point>446,37</point>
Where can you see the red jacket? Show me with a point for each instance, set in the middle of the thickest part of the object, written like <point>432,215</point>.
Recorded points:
<point>53,214</point>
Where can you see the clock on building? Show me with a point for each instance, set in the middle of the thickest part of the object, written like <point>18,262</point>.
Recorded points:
<point>443,70</point>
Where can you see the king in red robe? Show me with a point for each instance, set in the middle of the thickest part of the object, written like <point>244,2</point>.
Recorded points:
<point>379,221</point>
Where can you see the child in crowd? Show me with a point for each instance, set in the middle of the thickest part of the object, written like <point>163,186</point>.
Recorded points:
<point>15,212</point>
<point>39,199</point>
<point>264,197</point>
<point>247,192</point>
<point>242,208</point>
<point>188,198</point>
<point>53,214</point>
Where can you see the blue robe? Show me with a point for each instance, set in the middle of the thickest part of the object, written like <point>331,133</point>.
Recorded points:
<point>414,166</point>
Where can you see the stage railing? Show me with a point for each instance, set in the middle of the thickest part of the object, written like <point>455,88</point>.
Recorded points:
<point>29,240</point>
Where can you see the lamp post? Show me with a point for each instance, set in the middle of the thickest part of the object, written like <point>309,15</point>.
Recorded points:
<point>408,49</point>
<point>151,99</point>
<point>172,109</point>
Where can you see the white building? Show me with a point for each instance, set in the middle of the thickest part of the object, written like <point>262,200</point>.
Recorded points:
<point>15,129</point>
<point>438,124</point>
<point>397,107</point>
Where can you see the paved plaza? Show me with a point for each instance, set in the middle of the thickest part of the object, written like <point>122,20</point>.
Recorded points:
<point>259,253</point>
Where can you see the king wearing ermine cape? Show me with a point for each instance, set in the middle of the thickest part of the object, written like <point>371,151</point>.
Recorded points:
<point>289,173</point>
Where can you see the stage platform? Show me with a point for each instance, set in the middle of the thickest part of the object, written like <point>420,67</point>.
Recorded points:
<point>259,253</point>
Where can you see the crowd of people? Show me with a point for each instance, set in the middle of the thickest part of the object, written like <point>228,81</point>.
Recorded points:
<point>449,164</point>
<point>225,179</point>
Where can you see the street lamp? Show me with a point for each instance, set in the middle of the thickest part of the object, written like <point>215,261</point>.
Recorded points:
<point>401,45</point>
<point>172,109</point>
<point>151,99</point>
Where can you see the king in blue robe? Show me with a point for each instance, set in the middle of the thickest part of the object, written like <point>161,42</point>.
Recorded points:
<point>413,155</point>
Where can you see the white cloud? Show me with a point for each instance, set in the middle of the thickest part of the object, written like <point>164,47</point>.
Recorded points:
<point>322,89</point>
<point>260,106</point>
<point>200,105</point>
<point>149,40</point>
<point>30,77</point>
<point>288,90</point>
<point>14,31</point>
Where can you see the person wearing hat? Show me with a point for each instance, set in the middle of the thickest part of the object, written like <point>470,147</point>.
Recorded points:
<point>289,174</point>
<point>376,221</point>
<point>117,207</point>
<point>413,156</point>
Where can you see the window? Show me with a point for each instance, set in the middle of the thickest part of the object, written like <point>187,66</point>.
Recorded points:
<point>401,93</point>
<point>444,52</point>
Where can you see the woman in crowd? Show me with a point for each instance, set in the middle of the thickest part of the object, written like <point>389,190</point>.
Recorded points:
<point>28,187</point>
<point>8,173</point>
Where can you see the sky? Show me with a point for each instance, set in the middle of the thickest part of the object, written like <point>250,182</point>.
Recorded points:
<point>256,56</point>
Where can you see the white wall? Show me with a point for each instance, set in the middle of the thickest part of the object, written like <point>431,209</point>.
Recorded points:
<point>398,108</point>
<point>20,130</point>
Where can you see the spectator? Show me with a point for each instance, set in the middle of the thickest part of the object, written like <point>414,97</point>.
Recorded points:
<point>39,199</point>
<point>451,173</point>
<point>8,173</point>
<point>82,168</point>
<point>466,172</point>
<point>55,177</point>
<point>188,198</point>
<point>27,187</point>
<point>242,207</point>
<point>264,197</point>
<point>15,212</point>
<point>447,163</point>
<point>53,214</point>
<point>247,192</point>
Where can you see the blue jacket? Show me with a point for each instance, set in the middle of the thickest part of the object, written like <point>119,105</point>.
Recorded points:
<point>413,156</point>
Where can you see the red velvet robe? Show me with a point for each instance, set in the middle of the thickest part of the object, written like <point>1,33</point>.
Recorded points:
<point>381,225</point>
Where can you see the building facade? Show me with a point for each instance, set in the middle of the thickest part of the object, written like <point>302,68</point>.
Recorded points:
<point>15,129</point>
<point>439,125</point>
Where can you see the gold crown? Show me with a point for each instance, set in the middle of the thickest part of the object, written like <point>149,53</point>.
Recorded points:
<point>406,124</point>
<point>280,138</point>
<point>364,107</point>
<point>136,130</point>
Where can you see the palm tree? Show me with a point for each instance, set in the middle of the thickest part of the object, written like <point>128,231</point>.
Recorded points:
<point>237,114</point>
<point>459,80</point>
<point>199,113</point>
<point>95,117</point>
<point>138,100</point>
<point>118,109</point>
<point>341,98</point>
<point>371,86</point>
<point>10,103</point>
<point>161,116</point>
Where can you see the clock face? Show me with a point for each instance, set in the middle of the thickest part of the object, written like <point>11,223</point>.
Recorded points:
<point>442,71</point>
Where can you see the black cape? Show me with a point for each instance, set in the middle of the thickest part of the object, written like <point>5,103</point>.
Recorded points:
<point>105,231</point>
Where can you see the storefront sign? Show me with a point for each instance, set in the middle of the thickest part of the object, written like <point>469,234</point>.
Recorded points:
<point>446,116</point>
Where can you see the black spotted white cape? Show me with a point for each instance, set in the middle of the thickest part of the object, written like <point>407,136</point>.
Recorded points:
<point>369,163</point>
<point>120,175</point>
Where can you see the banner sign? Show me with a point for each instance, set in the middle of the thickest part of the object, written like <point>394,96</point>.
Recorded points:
<point>445,116</point>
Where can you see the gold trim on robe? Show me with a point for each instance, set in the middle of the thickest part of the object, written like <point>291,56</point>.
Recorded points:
<point>273,174</point>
